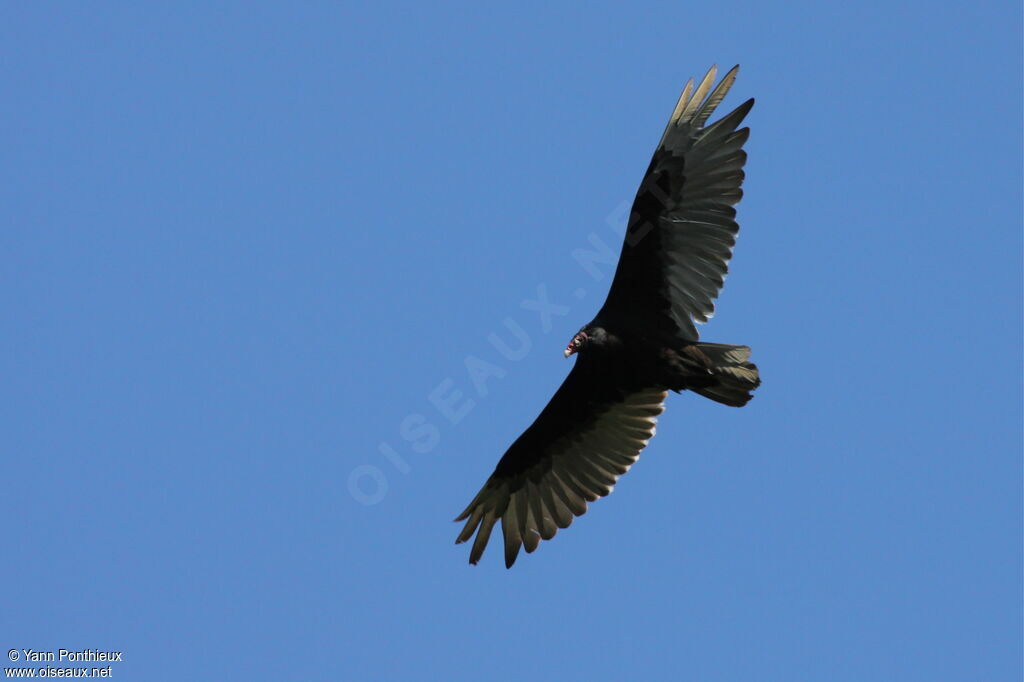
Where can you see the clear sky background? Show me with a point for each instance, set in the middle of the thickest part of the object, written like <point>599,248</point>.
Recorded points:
<point>244,244</point>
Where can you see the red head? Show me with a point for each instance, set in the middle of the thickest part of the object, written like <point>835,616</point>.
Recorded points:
<point>577,342</point>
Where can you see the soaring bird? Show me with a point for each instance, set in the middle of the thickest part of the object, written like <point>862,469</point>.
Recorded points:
<point>643,342</point>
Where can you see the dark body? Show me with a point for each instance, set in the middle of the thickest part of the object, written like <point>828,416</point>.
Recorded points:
<point>642,343</point>
<point>612,366</point>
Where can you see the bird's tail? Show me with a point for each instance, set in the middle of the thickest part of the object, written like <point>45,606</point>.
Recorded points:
<point>733,378</point>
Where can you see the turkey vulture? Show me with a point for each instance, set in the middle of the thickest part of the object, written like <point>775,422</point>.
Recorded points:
<point>643,342</point>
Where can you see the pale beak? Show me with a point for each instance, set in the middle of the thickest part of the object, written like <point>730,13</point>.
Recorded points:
<point>568,352</point>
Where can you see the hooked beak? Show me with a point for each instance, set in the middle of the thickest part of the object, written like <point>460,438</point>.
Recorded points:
<point>568,351</point>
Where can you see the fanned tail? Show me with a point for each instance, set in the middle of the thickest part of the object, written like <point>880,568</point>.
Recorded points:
<point>735,378</point>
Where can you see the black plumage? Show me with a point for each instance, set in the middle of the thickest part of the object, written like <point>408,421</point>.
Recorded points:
<point>642,343</point>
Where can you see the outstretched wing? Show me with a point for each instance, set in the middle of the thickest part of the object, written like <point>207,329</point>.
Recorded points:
<point>682,226</point>
<point>588,435</point>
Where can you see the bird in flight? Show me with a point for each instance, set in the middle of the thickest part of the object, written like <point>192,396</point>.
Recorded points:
<point>642,343</point>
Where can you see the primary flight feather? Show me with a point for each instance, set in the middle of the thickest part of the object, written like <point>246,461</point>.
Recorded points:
<point>642,343</point>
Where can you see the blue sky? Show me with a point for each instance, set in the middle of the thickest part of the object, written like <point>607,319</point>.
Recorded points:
<point>244,244</point>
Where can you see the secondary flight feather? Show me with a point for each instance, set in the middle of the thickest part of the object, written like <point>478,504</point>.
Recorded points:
<point>643,342</point>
